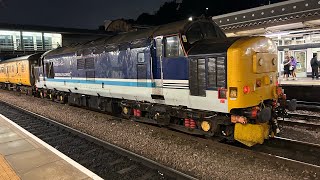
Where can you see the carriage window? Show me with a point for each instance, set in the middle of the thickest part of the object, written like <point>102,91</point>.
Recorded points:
<point>194,33</point>
<point>22,68</point>
<point>212,73</point>
<point>173,47</point>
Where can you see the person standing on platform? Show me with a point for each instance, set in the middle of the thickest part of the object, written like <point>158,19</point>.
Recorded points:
<point>314,65</point>
<point>286,66</point>
<point>293,67</point>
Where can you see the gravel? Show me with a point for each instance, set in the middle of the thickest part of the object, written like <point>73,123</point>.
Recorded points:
<point>204,159</point>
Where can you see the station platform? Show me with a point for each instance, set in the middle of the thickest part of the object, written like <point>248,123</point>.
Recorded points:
<point>302,89</point>
<point>304,81</point>
<point>26,157</point>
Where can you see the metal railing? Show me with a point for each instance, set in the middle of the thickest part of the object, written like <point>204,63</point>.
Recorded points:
<point>23,47</point>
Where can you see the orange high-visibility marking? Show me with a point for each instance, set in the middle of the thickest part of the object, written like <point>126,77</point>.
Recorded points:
<point>6,172</point>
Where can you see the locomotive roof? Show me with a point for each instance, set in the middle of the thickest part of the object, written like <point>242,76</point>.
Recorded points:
<point>130,37</point>
<point>218,45</point>
<point>35,56</point>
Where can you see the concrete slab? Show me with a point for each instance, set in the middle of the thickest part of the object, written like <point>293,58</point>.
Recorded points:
<point>33,159</point>
<point>15,147</point>
<point>25,161</point>
<point>54,170</point>
<point>4,129</point>
<point>9,136</point>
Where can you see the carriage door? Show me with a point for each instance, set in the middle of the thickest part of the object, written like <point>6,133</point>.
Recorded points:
<point>7,73</point>
<point>19,72</point>
<point>157,74</point>
<point>141,70</point>
<point>197,77</point>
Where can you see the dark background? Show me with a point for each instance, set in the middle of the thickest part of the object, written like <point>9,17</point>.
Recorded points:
<point>90,14</point>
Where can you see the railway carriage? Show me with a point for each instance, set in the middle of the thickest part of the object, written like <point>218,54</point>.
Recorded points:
<point>19,72</point>
<point>186,75</point>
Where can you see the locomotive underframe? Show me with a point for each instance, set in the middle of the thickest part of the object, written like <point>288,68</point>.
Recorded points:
<point>173,117</point>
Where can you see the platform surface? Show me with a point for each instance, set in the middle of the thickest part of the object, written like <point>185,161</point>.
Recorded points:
<point>305,81</point>
<point>25,157</point>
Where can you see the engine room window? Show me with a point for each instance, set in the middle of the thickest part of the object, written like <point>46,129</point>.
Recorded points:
<point>173,47</point>
<point>89,63</point>
<point>212,73</point>
<point>221,72</point>
<point>80,63</point>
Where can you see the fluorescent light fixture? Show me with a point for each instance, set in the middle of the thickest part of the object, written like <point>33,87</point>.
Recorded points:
<point>277,34</point>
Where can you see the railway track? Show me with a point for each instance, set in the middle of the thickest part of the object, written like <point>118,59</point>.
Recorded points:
<point>312,106</point>
<point>296,152</point>
<point>106,160</point>
<point>298,119</point>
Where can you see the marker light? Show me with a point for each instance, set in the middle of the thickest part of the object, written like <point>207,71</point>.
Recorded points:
<point>246,89</point>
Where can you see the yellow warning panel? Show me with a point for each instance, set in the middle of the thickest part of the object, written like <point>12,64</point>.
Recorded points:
<point>6,172</point>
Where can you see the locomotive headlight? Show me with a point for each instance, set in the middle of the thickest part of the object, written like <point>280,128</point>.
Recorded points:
<point>125,110</point>
<point>233,92</point>
<point>205,126</point>
<point>260,61</point>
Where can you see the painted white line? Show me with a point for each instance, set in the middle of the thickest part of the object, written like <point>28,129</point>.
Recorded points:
<point>55,151</point>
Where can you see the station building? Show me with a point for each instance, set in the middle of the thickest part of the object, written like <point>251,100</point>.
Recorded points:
<point>293,25</point>
<point>18,40</point>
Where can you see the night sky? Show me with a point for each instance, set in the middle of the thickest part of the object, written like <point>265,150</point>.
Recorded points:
<point>87,14</point>
<point>90,14</point>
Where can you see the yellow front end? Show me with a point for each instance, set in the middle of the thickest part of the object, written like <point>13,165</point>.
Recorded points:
<point>252,79</point>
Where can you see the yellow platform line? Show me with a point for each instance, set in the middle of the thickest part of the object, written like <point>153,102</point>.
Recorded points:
<point>6,172</point>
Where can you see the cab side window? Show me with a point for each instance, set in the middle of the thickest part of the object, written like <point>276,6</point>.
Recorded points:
<point>49,70</point>
<point>173,47</point>
<point>194,33</point>
<point>159,46</point>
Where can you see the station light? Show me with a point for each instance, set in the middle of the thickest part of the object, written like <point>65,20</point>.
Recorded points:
<point>190,18</point>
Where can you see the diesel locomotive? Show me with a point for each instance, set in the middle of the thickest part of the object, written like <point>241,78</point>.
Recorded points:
<point>185,75</point>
